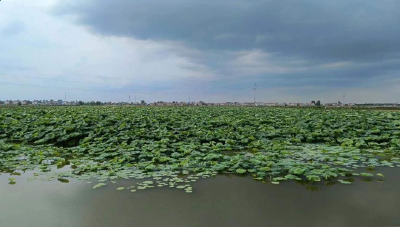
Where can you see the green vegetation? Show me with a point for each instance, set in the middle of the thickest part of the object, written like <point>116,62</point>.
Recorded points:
<point>177,146</point>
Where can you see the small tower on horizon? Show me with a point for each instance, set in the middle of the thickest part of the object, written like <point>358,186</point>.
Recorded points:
<point>255,92</point>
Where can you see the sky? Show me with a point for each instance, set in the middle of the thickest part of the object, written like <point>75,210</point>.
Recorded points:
<point>200,50</point>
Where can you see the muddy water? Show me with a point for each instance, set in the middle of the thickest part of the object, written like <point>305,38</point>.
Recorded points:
<point>220,201</point>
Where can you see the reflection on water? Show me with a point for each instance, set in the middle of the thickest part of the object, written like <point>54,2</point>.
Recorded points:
<point>220,201</point>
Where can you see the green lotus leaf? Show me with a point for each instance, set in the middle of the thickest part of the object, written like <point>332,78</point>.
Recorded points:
<point>240,171</point>
<point>313,178</point>
<point>366,174</point>
<point>99,185</point>
<point>297,170</point>
<point>344,182</point>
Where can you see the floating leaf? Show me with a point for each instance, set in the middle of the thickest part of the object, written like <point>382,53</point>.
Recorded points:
<point>240,171</point>
<point>297,170</point>
<point>313,178</point>
<point>98,185</point>
<point>344,182</point>
<point>278,179</point>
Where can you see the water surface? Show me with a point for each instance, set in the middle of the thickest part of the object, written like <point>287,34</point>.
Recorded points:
<point>220,201</point>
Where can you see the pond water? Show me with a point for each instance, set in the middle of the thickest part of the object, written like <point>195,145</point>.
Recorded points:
<point>220,201</point>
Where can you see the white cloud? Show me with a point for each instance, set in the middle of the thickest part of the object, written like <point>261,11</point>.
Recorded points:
<point>255,62</point>
<point>55,48</point>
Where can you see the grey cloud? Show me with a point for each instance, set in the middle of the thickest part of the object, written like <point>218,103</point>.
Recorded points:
<point>318,30</point>
<point>312,43</point>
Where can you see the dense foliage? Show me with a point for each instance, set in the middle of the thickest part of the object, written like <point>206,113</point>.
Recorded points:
<point>273,144</point>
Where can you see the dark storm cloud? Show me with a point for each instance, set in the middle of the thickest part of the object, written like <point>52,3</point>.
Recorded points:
<point>294,43</point>
<point>340,30</point>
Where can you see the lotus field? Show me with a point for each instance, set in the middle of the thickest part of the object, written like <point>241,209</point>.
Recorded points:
<point>173,147</point>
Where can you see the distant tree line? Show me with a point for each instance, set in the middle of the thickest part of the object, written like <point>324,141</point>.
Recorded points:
<point>317,103</point>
